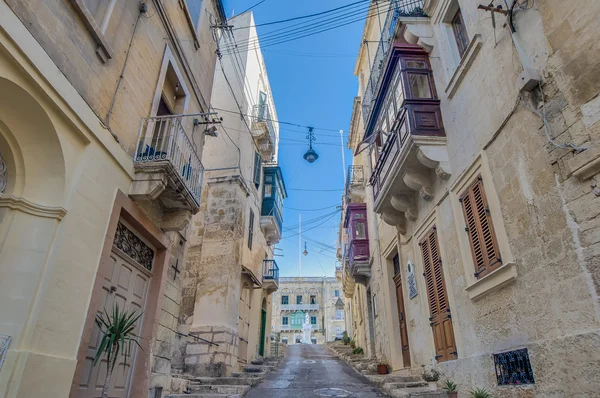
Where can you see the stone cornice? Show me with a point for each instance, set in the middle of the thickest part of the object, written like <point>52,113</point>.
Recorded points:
<point>26,206</point>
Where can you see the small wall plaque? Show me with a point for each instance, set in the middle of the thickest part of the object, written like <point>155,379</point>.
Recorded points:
<point>411,280</point>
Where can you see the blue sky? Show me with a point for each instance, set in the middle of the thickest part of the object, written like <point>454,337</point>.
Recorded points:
<point>313,84</point>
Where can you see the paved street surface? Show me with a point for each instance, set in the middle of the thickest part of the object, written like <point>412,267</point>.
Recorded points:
<point>310,370</point>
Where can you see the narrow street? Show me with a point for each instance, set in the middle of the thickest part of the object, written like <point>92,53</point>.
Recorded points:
<point>312,371</point>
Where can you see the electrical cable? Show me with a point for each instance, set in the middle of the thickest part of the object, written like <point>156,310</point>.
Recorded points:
<point>303,16</point>
<point>309,229</point>
<point>280,121</point>
<point>303,25</point>
<point>315,190</point>
<point>322,208</point>
<point>270,44</point>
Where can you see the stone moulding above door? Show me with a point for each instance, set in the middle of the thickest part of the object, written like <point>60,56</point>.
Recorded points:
<point>24,205</point>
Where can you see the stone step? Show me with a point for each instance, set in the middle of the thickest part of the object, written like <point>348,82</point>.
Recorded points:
<point>220,381</point>
<point>380,380</point>
<point>395,386</point>
<point>258,368</point>
<point>219,389</point>
<point>200,395</point>
<point>417,393</point>
<point>244,374</point>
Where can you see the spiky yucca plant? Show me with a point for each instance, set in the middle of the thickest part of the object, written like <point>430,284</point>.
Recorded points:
<point>480,393</point>
<point>118,332</point>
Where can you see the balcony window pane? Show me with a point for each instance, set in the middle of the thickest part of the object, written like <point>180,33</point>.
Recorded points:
<point>359,231</point>
<point>399,93</point>
<point>268,190</point>
<point>416,64</point>
<point>419,85</point>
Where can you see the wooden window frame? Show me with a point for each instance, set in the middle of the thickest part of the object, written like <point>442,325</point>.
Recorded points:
<point>251,230</point>
<point>478,220</point>
<point>460,32</point>
<point>285,321</point>
<point>500,275</point>
<point>257,169</point>
<point>288,300</point>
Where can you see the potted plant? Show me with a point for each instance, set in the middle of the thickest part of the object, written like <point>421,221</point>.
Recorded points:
<point>383,369</point>
<point>431,376</point>
<point>118,332</point>
<point>345,339</point>
<point>450,388</point>
<point>480,393</point>
<point>358,351</point>
<point>352,344</point>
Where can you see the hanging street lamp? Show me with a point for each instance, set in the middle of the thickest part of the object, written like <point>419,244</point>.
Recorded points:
<point>311,155</point>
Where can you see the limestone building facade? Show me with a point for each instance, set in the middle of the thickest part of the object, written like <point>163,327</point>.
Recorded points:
<point>103,108</point>
<point>230,272</point>
<point>470,229</point>
<point>320,298</point>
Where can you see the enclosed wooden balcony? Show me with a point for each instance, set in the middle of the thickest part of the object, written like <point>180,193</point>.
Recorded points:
<point>271,215</point>
<point>405,135</point>
<point>357,253</point>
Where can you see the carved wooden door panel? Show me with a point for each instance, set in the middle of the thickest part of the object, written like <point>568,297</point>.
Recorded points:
<point>126,285</point>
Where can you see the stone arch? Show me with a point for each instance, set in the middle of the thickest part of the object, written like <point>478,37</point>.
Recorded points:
<point>30,146</point>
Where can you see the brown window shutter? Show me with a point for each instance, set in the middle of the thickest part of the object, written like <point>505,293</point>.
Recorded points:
<point>440,320</point>
<point>480,229</point>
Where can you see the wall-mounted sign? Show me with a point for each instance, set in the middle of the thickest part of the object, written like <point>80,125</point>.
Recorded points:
<point>411,280</point>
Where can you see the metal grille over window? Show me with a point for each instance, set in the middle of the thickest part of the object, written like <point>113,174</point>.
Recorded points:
<point>513,368</point>
<point>133,246</point>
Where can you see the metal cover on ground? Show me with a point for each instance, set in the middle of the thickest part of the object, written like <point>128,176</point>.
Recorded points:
<point>333,392</point>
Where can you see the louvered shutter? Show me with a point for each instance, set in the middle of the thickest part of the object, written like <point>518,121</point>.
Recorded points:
<point>251,230</point>
<point>256,173</point>
<point>480,229</point>
<point>440,319</point>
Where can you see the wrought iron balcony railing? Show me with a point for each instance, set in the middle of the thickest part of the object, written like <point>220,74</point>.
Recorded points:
<point>299,307</point>
<point>354,178</point>
<point>162,139</point>
<point>263,127</point>
<point>270,271</point>
<point>398,9</point>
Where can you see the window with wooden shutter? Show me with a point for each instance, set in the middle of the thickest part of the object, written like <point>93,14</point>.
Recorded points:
<point>257,166</point>
<point>437,297</point>
<point>250,230</point>
<point>480,229</point>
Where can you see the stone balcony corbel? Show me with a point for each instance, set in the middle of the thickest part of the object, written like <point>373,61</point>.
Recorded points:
<point>418,31</point>
<point>395,219</point>
<point>418,182</point>
<point>404,204</point>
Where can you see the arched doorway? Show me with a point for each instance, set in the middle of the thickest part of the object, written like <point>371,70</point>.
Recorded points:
<point>244,307</point>
<point>263,328</point>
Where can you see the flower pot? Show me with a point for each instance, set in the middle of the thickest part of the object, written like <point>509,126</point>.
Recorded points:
<point>432,385</point>
<point>382,369</point>
<point>453,394</point>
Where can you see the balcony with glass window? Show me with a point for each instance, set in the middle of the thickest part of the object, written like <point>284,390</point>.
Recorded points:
<point>358,254</point>
<point>168,169</point>
<point>263,130</point>
<point>405,136</point>
<point>271,214</point>
<point>270,275</point>
<point>404,19</point>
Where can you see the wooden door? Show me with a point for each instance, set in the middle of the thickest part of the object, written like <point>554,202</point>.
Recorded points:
<point>263,332</point>
<point>402,318</point>
<point>441,318</point>
<point>126,285</point>
<point>244,308</point>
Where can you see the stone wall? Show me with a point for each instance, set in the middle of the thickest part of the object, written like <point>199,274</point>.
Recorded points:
<point>545,205</point>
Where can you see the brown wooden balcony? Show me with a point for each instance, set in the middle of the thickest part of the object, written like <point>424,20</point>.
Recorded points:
<point>406,131</point>
<point>358,255</point>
